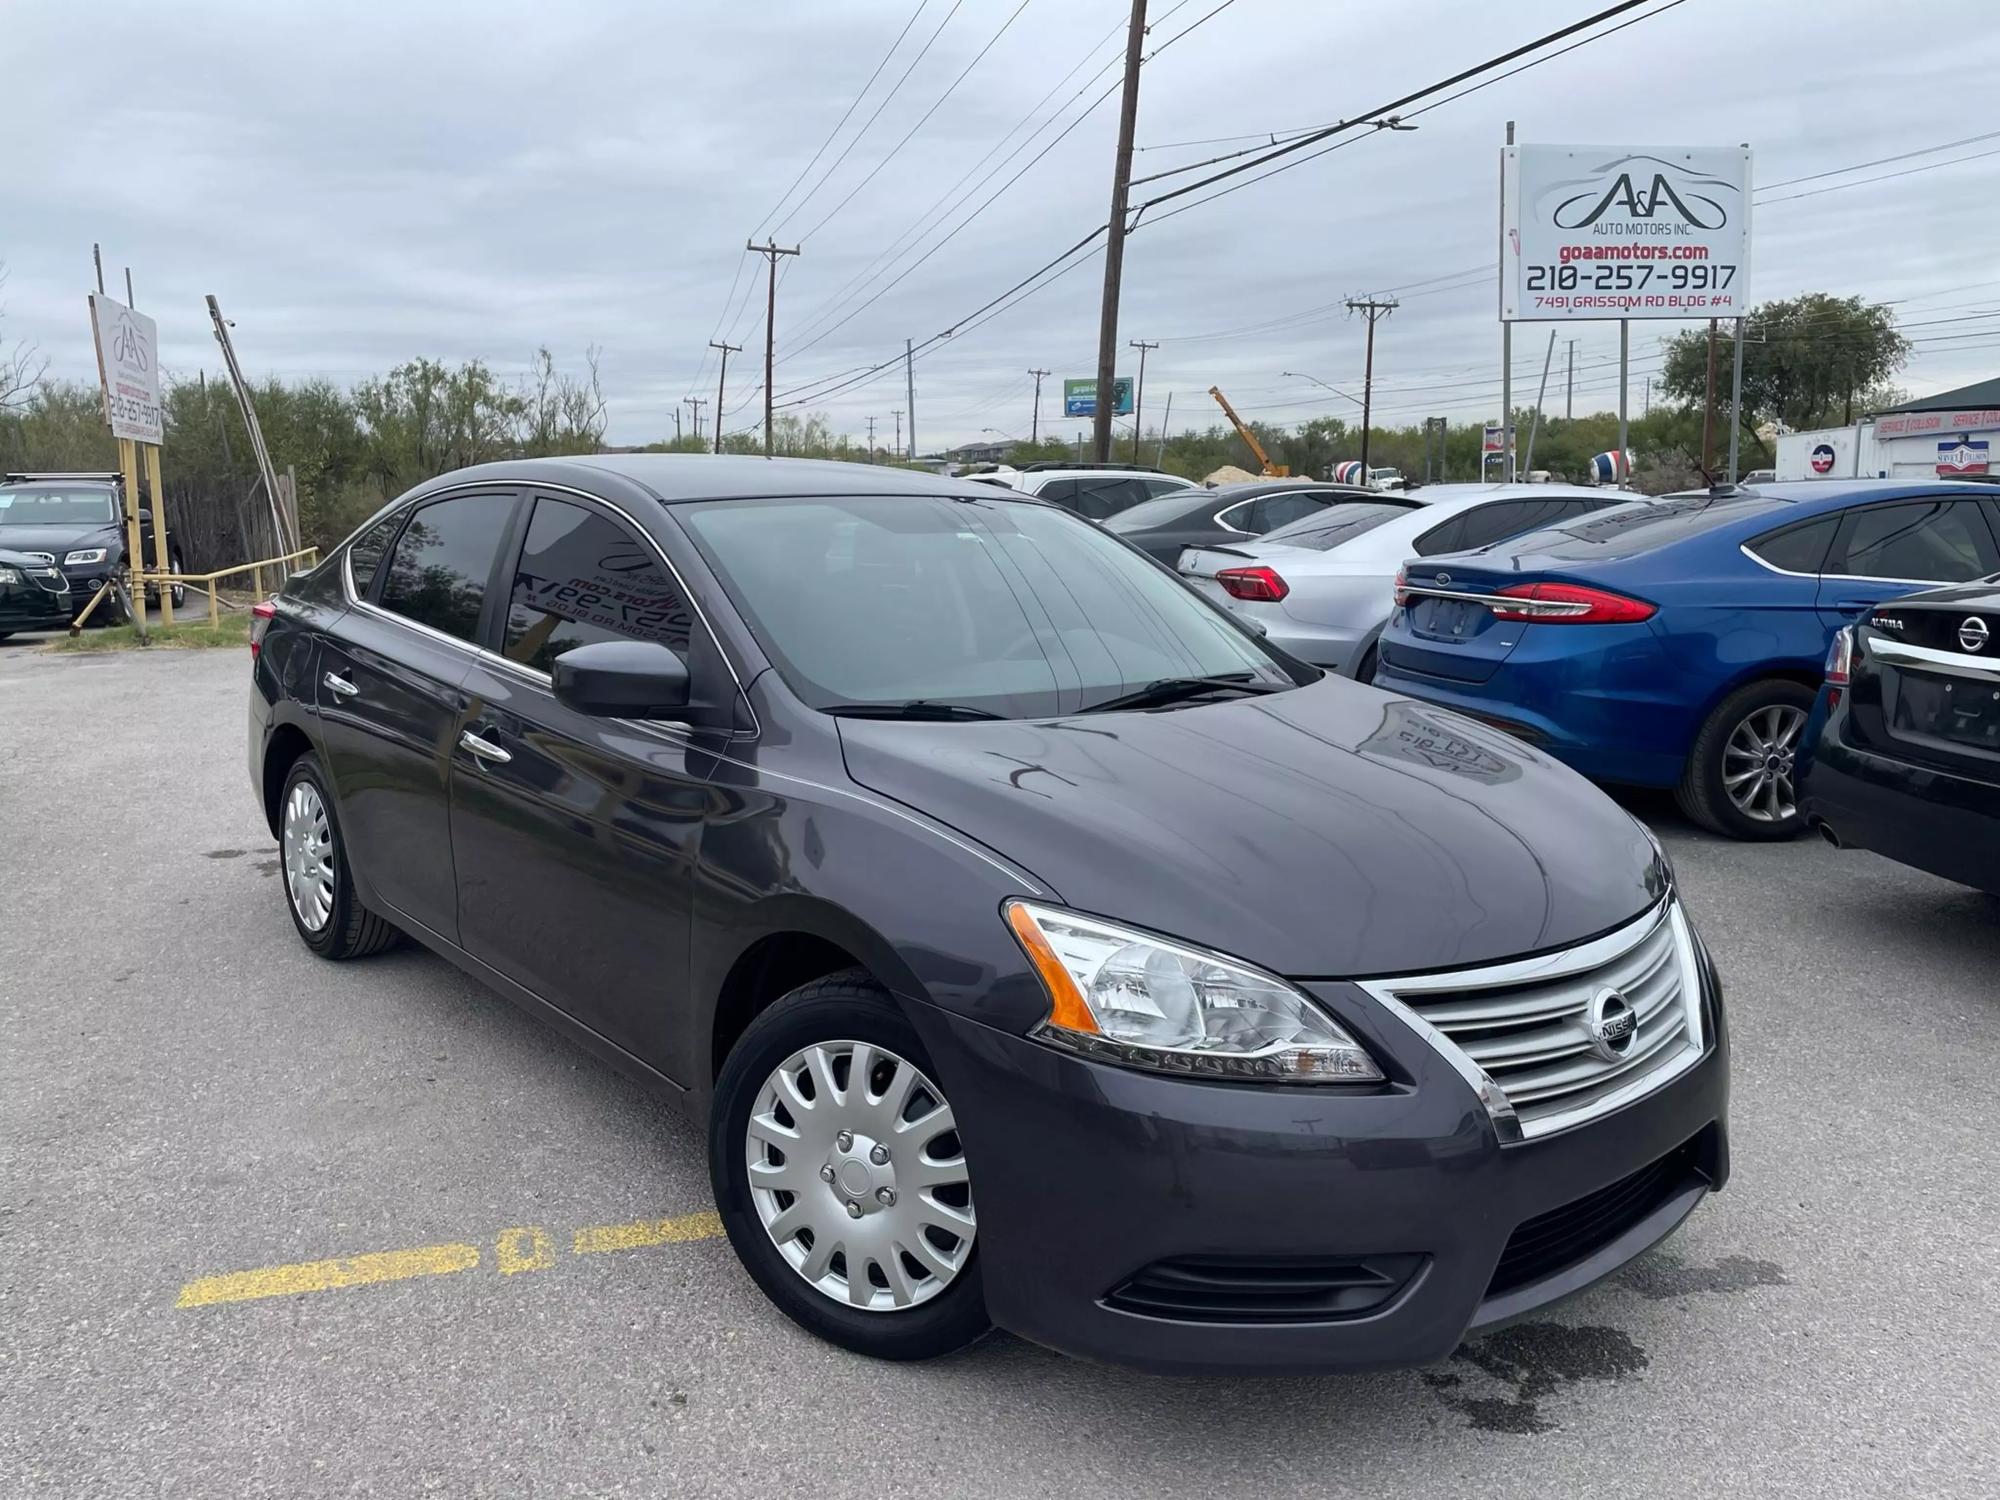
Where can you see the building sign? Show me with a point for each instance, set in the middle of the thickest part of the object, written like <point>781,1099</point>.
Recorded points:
<point>1821,458</point>
<point>1961,455</point>
<point>1080,397</point>
<point>1624,232</point>
<point>1924,423</point>
<point>128,365</point>
<point>1489,441</point>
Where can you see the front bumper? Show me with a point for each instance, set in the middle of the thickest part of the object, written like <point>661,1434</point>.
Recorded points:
<point>1088,1174</point>
<point>29,606</point>
<point>1930,820</point>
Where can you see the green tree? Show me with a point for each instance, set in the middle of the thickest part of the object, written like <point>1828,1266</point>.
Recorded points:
<point>1807,361</point>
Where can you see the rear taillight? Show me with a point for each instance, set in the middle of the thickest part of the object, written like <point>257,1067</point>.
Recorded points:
<point>261,614</point>
<point>1402,587</point>
<point>1260,585</point>
<point>1840,658</point>
<point>1570,604</point>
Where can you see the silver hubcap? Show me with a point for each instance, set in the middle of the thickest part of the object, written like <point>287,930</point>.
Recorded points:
<point>1757,763</point>
<point>858,1176</point>
<point>308,856</point>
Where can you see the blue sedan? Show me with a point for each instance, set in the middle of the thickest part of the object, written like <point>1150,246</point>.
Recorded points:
<point>1679,644</point>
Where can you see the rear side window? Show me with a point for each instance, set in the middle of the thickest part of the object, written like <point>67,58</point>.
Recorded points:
<point>581,578</point>
<point>364,553</point>
<point>438,572</point>
<point>1925,541</point>
<point>1449,536</point>
<point>1797,549</point>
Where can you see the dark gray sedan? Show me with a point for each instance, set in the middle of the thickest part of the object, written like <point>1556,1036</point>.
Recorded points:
<point>1163,527</point>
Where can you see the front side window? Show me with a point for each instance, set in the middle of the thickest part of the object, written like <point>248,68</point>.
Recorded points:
<point>1014,609</point>
<point>438,572</point>
<point>582,577</point>
<point>1924,541</point>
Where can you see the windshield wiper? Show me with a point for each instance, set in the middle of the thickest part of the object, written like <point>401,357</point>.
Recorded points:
<point>916,708</point>
<point>1180,689</point>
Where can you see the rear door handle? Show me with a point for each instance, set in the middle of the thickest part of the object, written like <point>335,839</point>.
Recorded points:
<point>341,685</point>
<point>484,749</point>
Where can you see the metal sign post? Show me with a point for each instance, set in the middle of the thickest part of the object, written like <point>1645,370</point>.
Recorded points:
<point>1736,403</point>
<point>1624,390</point>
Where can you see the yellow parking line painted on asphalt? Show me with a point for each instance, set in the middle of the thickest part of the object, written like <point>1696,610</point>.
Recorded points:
<point>326,1275</point>
<point>600,1238</point>
<point>527,1248</point>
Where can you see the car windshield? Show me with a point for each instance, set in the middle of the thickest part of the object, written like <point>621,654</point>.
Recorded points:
<point>1016,609</point>
<point>1336,524</point>
<point>1152,512</point>
<point>38,507</point>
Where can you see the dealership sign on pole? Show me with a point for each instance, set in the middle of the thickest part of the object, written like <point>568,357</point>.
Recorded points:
<point>1624,232</point>
<point>1080,397</point>
<point>128,346</point>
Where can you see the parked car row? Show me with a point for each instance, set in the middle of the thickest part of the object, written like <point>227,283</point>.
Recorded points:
<point>1039,944</point>
<point>61,537</point>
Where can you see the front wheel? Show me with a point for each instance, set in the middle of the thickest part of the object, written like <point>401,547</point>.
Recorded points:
<point>840,1176</point>
<point>178,592</point>
<point>1741,776</point>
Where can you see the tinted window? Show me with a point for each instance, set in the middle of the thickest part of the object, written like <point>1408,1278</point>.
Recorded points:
<point>437,574</point>
<point>1095,497</point>
<point>1931,541</point>
<point>1509,518</point>
<point>582,577</point>
<point>1798,549</point>
<point>1016,609</point>
<point>1274,511</point>
<point>1164,511</point>
<point>364,553</point>
<point>1448,536</point>
<point>1165,487</point>
<point>1335,524</point>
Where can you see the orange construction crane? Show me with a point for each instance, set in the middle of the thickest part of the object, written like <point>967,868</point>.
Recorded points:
<point>1271,470</point>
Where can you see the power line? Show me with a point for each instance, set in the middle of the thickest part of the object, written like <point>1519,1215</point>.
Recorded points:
<point>1882,177</point>
<point>1880,161</point>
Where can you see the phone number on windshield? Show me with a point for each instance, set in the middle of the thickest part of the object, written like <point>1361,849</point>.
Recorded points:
<point>1702,277</point>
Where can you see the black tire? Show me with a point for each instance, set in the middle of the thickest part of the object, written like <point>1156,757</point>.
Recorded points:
<point>178,592</point>
<point>848,1006</point>
<point>350,930</point>
<point>1702,793</point>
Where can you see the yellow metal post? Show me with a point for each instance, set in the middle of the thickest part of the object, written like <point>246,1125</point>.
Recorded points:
<point>159,530</point>
<point>214,610</point>
<point>135,559</point>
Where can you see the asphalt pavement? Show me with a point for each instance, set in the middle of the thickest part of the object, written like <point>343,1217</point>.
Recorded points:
<point>187,1095</point>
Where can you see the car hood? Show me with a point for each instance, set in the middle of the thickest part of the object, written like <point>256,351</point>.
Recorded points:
<point>48,537</point>
<point>1331,831</point>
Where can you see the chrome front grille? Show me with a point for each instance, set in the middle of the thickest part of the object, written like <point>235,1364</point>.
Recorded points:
<point>1543,1039</point>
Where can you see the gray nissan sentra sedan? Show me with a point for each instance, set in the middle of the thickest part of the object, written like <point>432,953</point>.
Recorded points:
<point>1040,948</point>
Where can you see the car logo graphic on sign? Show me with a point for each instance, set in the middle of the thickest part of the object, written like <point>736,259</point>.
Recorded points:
<point>1612,1023</point>
<point>1973,634</point>
<point>1822,458</point>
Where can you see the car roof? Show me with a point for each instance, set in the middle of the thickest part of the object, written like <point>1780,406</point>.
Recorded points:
<point>1246,489</point>
<point>1088,471</point>
<point>677,478</point>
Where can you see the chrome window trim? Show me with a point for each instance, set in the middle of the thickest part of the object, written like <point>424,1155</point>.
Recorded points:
<point>1951,663</point>
<point>1922,583</point>
<point>1580,959</point>
<point>533,674</point>
<point>666,731</point>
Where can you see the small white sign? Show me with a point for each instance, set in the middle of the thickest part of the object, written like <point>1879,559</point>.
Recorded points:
<point>128,347</point>
<point>1624,232</point>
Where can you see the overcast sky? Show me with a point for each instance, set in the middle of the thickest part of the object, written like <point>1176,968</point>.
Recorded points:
<point>366,183</point>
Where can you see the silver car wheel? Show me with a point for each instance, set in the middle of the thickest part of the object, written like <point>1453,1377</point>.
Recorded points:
<point>308,847</point>
<point>857,1174</point>
<point>1758,761</point>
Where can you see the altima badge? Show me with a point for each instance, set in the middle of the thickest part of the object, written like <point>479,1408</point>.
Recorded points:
<point>1613,1024</point>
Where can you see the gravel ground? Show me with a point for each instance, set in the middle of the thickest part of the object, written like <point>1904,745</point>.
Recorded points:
<point>186,1092</point>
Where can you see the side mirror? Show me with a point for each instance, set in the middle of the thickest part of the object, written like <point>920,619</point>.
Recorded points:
<point>623,680</point>
<point>145,515</point>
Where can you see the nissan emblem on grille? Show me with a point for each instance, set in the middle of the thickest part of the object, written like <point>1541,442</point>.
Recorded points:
<point>1973,633</point>
<point>1613,1024</point>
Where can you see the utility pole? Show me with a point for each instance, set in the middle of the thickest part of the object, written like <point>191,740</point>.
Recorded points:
<point>1708,411</point>
<point>1114,237</point>
<point>727,349</point>
<point>695,404</point>
<point>910,395</point>
<point>871,440</point>
<point>1160,458</point>
<point>770,251</point>
<point>1569,394</point>
<point>1035,426</point>
<point>897,413</point>
<point>677,426</point>
<point>1374,310</point>
<point>1139,394</point>
<point>1647,409</point>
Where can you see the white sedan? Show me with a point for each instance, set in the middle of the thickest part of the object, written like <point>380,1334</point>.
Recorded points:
<point>1322,588</point>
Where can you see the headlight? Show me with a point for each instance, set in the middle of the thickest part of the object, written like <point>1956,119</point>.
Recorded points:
<point>8,575</point>
<point>1132,998</point>
<point>84,555</point>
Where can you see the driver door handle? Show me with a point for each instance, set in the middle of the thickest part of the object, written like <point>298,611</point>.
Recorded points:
<point>340,685</point>
<point>484,749</point>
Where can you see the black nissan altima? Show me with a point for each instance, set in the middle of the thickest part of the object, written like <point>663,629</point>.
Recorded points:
<point>1040,948</point>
